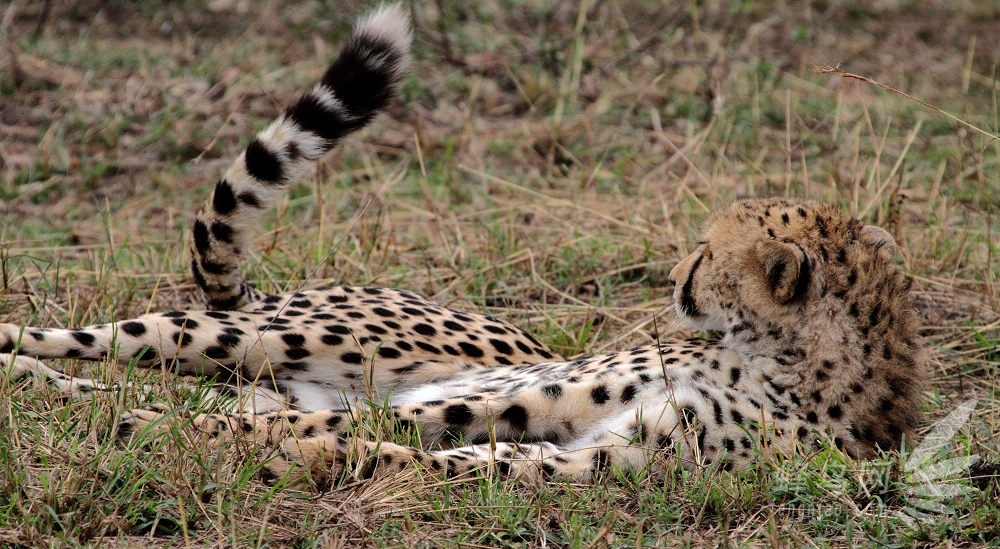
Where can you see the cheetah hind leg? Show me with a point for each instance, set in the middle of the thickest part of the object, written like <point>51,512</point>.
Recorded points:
<point>325,460</point>
<point>324,447</point>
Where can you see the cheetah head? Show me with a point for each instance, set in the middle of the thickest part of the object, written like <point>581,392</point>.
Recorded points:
<point>816,295</point>
<point>762,263</point>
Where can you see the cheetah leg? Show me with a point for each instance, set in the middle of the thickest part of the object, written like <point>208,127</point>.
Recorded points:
<point>267,428</point>
<point>18,366</point>
<point>327,457</point>
<point>244,397</point>
<point>325,443</point>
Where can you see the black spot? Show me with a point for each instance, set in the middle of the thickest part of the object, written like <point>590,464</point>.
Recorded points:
<point>470,349</point>
<point>184,323</point>
<point>214,267</point>
<point>222,232</point>
<point>517,416</point>
<point>717,412</point>
<point>737,417</point>
<point>223,200</point>
<point>383,312</point>
<point>523,348</point>
<point>293,340</point>
<point>502,347</point>
<point>134,329</point>
<point>297,353</point>
<point>425,330</point>
<point>552,391</point>
<point>628,393</point>
<point>216,353</point>
<point>183,339</point>
<point>331,340</point>
<point>262,164</point>
<point>548,470</point>
<point>145,353</point>
<point>352,358</point>
<point>600,395</point>
<point>83,337</point>
<point>228,340</point>
<point>428,347</point>
<point>201,240</point>
<point>458,415</point>
<point>811,417</point>
<point>388,352</point>
<point>821,225</point>
<point>250,199</point>
<point>452,325</point>
<point>835,412</point>
<point>602,460</point>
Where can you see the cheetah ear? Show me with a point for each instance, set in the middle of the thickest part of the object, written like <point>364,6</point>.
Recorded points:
<point>881,238</point>
<point>785,269</point>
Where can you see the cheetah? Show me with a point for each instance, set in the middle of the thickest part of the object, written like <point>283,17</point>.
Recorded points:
<point>816,343</point>
<point>813,340</point>
<point>309,350</point>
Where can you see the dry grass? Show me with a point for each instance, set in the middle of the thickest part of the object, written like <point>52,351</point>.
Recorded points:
<point>547,164</point>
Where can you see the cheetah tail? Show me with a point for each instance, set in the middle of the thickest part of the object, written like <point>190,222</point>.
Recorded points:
<point>358,84</point>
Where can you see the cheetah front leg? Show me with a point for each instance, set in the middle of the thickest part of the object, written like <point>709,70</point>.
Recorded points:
<point>14,367</point>
<point>326,458</point>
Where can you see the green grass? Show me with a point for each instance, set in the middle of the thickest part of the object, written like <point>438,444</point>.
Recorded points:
<point>509,179</point>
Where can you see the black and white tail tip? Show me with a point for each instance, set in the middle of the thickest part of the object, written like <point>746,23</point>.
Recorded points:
<point>355,87</point>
